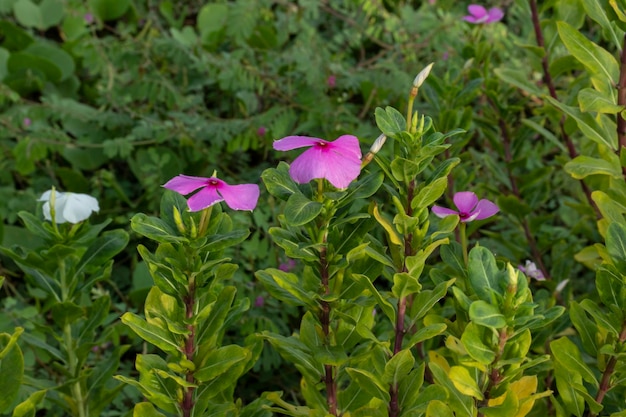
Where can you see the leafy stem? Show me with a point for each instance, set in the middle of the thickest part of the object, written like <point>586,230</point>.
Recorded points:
<point>605,382</point>
<point>72,362</point>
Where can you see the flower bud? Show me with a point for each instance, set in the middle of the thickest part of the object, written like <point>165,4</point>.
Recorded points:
<point>378,144</point>
<point>421,77</point>
<point>179,221</point>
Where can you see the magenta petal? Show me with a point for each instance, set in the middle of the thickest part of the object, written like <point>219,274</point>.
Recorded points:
<point>184,184</point>
<point>495,15</point>
<point>443,212</point>
<point>339,169</point>
<point>477,11</point>
<point>240,197</point>
<point>465,201</point>
<point>294,142</point>
<point>485,209</point>
<point>204,198</point>
<point>473,19</point>
<point>348,145</point>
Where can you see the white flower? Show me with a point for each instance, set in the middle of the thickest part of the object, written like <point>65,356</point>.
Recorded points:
<point>69,207</point>
<point>532,271</point>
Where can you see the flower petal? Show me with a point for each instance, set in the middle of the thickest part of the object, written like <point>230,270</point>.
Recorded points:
<point>294,142</point>
<point>347,145</point>
<point>477,11</point>
<point>204,198</point>
<point>465,201</point>
<point>484,209</point>
<point>185,184</point>
<point>443,212</point>
<point>240,197</point>
<point>77,207</point>
<point>495,15</point>
<point>339,169</point>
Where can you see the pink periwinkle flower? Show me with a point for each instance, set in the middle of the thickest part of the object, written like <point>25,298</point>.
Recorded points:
<point>331,81</point>
<point>287,265</point>
<point>259,301</point>
<point>261,131</point>
<point>338,161</point>
<point>27,122</point>
<point>88,18</point>
<point>469,208</point>
<point>531,270</point>
<point>478,14</point>
<point>213,190</point>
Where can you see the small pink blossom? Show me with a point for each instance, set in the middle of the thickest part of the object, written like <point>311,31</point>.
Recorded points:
<point>287,265</point>
<point>88,18</point>
<point>469,208</point>
<point>27,122</point>
<point>259,301</point>
<point>331,81</point>
<point>479,15</point>
<point>261,131</point>
<point>338,161</point>
<point>213,190</point>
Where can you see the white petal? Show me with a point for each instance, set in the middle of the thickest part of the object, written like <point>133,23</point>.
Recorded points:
<point>78,207</point>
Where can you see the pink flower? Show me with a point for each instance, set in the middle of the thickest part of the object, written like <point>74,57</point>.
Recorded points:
<point>287,266</point>
<point>331,81</point>
<point>478,14</point>
<point>27,122</point>
<point>339,161</point>
<point>259,301</point>
<point>469,208</point>
<point>213,190</point>
<point>88,18</point>
<point>261,131</point>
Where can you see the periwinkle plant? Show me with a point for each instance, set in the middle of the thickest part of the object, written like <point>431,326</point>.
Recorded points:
<point>191,304</point>
<point>72,257</point>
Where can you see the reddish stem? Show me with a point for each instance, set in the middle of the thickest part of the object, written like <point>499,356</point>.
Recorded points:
<point>329,380</point>
<point>187,402</point>
<point>621,101</point>
<point>605,382</point>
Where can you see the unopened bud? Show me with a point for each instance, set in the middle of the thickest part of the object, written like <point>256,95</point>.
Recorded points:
<point>179,221</point>
<point>421,77</point>
<point>378,144</point>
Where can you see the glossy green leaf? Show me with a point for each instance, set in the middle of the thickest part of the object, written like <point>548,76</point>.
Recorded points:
<point>146,410</point>
<point>591,100</point>
<point>485,314</point>
<point>582,166</point>
<point>566,353</point>
<point>616,244</point>
<point>155,229</point>
<point>300,210</point>
<point>398,367</point>
<point>28,407</point>
<point>473,343</point>
<point>483,274</point>
<point>11,369</point>
<point>278,181</point>
<point>438,408</point>
<point>220,361</point>
<point>390,121</point>
<point>287,286</point>
<point>66,313</point>
<point>370,383</point>
<point>157,336</point>
<point>107,10</point>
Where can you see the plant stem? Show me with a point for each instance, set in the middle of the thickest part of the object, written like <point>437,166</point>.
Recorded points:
<point>547,78</point>
<point>331,384</point>
<point>621,101</point>
<point>187,402</point>
<point>494,374</point>
<point>605,382</point>
<point>463,238</point>
<point>72,363</point>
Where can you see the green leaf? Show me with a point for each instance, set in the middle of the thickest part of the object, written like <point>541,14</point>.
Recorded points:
<point>483,274</point>
<point>518,78</point>
<point>602,132</point>
<point>568,356</point>
<point>11,369</point>
<point>390,121</point>
<point>485,314</point>
<point>155,229</point>
<point>474,345</point>
<point>462,404</point>
<point>218,242</point>
<point>464,382</point>
<point>398,367</point>
<point>582,166</point>
<point>146,410</point>
<point>385,305</point>
<point>586,328</point>
<point>430,193</point>
<point>220,361</point>
<point>66,313</point>
<point>106,10</point>
<point>404,285</point>
<point>300,210</point>
<point>616,244</point>
<point>370,383</point>
<point>595,11</point>
<point>603,319</point>
<point>157,336</point>
<point>596,59</point>
<point>296,352</point>
<point>286,286</point>
<point>425,333</point>
<point>438,408</point>
<point>28,407</point>
<point>211,18</point>
<point>591,100</point>
<point>103,249</point>
<point>279,183</point>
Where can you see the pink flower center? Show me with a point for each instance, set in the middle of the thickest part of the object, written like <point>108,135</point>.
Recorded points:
<point>321,144</point>
<point>214,183</point>
<point>463,215</point>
